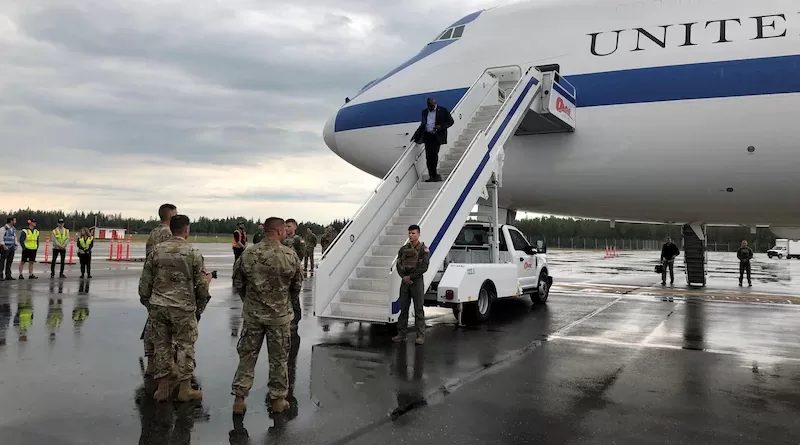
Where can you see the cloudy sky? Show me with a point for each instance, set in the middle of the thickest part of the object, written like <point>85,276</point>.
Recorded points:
<point>216,106</point>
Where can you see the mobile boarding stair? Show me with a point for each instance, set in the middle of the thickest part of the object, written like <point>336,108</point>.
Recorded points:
<point>356,279</point>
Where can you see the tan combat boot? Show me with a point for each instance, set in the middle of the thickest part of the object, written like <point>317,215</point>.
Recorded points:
<point>187,393</point>
<point>239,406</point>
<point>164,390</point>
<point>279,405</point>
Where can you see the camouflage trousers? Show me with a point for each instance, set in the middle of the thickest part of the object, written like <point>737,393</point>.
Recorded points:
<point>309,257</point>
<point>278,344</point>
<point>149,349</point>
<point>174,333</point>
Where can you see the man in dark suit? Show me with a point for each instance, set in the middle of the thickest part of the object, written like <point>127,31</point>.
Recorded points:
<point>432,132</point>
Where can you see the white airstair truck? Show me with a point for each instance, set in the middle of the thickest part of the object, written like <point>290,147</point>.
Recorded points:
<point>356,279</point>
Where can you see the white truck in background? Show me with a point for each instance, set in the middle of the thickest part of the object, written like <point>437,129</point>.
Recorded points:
<point>477,271</point>
<point>785,248</point>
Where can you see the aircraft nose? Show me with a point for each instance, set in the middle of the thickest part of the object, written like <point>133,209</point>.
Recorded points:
<point>329,133</point>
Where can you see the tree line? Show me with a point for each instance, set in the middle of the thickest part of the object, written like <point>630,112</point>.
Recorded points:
<point>547,228</point>
<point>48,219</point>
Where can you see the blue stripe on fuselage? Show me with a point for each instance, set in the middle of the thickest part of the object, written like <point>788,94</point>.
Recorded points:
<point>733,78</point>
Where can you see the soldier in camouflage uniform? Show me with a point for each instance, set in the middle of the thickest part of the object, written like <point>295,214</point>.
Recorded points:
<point>157,235</point>
<point>311,244</point>
<point>267,277</point>
<point>295,242</point>
<point>412,263</point>
<point>174,288</point>
<point>327,238</point>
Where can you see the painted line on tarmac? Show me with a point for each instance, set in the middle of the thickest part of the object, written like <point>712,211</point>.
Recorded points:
<point>643,344</point>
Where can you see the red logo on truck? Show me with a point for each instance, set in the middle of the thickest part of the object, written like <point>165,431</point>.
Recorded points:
<point>562,107</point>
<point>527,265</point>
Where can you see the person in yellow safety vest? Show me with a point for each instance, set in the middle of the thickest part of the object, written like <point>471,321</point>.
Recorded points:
<point>29,240</point>
<point>85,245</point>
<point>239,240</point>
<point>60,240</point>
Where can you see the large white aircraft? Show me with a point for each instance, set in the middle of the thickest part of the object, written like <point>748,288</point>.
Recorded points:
<point>687,110</point>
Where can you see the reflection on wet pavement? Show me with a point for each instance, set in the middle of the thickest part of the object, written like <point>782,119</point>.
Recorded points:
<point>567,366</point>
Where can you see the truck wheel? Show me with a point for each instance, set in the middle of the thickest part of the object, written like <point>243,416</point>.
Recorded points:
<point>780,256</point>
<point>479,311</point>
<point>542,290</point>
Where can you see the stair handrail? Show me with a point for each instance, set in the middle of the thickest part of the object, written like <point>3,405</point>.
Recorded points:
<point>461,159</point>
<point>411,146</point>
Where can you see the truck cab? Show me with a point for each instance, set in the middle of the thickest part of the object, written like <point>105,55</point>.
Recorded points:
<point>471,279</point>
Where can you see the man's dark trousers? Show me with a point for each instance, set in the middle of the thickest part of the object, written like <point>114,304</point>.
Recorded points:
<point>744,266</point>
<point>432,153</point>
<point>414,292</point>
<point>6,258</point>
<point>56,253</point>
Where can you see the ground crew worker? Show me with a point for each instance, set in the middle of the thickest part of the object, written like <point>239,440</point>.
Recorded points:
<point>311,244</point>
<point>29,240</point>
<point>293,241</point>
<point>668,253</point>
<point>412,263</point>
<point>85,246</point>
<point>8,246</point>
<point>259,235</point>
<point>174,288</point>
<point>745,254</point>
<point>158,235</point>
<point>239,240</point>
<point>59,242</point>
<point>266,277</point>
<point>327,238</point>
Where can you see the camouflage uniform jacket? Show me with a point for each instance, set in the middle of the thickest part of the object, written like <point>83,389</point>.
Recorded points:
<point>413,261</point>
<point>174,276</point>
<point>159,234</point>
<point>296,243</point>
<point>311,241</point>
<point>327,239</point>
<point>266,277</point>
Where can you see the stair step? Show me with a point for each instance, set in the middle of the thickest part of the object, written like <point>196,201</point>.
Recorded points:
<point>397,230</point>
<point>368,284</point>
<point>414,211</point>
<point>405,220</point>
<point>422,185</point>
<point>373,272</point>
<point>425,194</point>
<point>364,297</point>
<point>454,155</point>
<point>449,164</point>
<point>383,261</point>
<point>419,202</point>
<point>366,312</point>
<point>386,250</point>
<point>393,240</point>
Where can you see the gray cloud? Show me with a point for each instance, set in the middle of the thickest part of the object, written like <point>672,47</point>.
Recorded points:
<point>147,83</point>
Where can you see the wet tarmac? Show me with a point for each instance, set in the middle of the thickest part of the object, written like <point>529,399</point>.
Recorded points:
<point>612,358</point>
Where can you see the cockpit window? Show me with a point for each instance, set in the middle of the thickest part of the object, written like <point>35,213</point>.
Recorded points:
<point>451,33</point>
